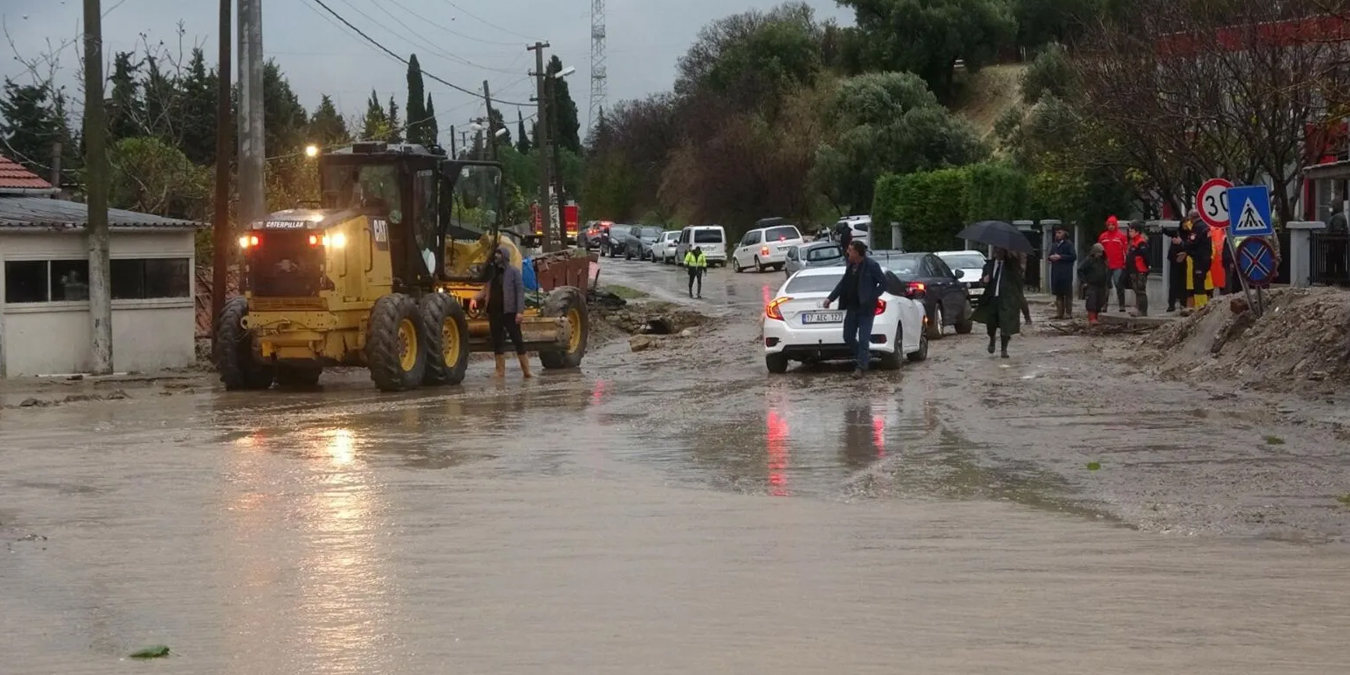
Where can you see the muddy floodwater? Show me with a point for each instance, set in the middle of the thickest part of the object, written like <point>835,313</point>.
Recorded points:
<point>679,511</point>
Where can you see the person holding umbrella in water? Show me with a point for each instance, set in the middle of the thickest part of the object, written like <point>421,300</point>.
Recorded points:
<point>1001,305</point>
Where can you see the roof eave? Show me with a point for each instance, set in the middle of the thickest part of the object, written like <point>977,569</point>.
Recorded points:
<point>28,192</point>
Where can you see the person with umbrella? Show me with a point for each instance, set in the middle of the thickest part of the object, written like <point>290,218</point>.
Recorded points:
<point>1001,304</point>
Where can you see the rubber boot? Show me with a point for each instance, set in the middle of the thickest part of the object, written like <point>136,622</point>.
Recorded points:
<point>1092,318</point>
<point>991,343</point>
<point>1003,345</point>
<point>501,366</point>
<point>525,366</point>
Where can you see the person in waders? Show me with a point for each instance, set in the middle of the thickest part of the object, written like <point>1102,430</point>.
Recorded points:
<point>697,264</point>
<point>505,297</point>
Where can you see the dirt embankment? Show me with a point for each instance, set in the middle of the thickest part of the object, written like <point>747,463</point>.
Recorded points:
<point>1299,345</point>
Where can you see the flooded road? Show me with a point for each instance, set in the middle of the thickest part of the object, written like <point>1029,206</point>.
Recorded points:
<point>670,511</point>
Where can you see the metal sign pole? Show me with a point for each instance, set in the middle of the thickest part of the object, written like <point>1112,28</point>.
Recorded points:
<point>1237,269</point>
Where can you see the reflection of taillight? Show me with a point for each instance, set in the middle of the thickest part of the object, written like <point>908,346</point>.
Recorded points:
<point>881,307</point>
<point>772,309</point>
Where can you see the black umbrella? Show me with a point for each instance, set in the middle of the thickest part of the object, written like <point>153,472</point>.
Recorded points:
<point>998,234</point>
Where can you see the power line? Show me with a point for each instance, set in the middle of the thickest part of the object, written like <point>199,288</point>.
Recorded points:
<point>400,59</point>
<point>451,31</point>
<point>428,44</point>
<point>485,22</point>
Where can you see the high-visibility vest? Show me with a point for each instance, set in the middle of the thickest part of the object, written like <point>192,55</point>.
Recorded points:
<point>1218,276</point>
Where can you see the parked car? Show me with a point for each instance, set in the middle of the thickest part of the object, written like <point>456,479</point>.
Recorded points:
<point>711,238</point>
<point>637,241</point>
<point>945,297</point>
<point>615,240</point>
<point>765,247</point>
<point>860,227</point>
<point>663,250</point>
<point>813,254</point>
<point>969,263</point>
<point>797,328</point>
<point>597,235</point>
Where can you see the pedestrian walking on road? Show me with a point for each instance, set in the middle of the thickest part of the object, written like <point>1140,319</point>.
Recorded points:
<point>697,264</point>
<point>1096,276</point>
<point>1137,265</point>
<point>1115,243</point>
<point>505,296</point>
<point>1062,257</point>
<point>1001,304</point>
<point>858,293</point>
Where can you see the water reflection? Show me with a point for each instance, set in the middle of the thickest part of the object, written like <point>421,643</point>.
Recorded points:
<point>776,451</point>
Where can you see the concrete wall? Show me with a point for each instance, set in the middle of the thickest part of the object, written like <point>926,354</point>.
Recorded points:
<point>51,338</point>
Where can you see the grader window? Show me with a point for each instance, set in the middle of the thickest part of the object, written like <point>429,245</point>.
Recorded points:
<point>476,198</point>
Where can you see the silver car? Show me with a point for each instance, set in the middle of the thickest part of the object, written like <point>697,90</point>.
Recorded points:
<point>813,254</point>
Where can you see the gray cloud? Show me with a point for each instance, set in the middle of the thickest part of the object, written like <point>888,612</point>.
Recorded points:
<point>319,56</point>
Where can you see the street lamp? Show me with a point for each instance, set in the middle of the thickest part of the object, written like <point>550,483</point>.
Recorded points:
<point>311,151</point>
<point>564,72</point>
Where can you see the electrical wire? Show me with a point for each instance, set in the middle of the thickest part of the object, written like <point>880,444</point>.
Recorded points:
<point>485,22</point>
<point>426,43</point>
<point>451,31</point>
<point>402,60</point>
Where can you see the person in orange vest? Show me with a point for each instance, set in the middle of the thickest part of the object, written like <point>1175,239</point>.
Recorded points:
<point>1219,265</point>
<point>1137,265</point>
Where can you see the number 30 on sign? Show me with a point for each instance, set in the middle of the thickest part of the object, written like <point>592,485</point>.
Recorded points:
<point>1212,202</point>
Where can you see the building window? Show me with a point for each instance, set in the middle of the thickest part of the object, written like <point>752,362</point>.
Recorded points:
<point>35,281</point>
<point>25,281</point>
<point>150,278</point>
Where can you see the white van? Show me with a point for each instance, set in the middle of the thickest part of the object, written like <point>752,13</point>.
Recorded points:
<point>859,226</point>
<point>711,238</point>
<point>766,247</point>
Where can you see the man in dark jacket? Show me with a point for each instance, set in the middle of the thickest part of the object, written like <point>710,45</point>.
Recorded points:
<point>1062,257</point>
<point>1137,266</point>
<point>844,233</point>
<point>505,296</point>
<point>857,293</point>
<point>1194,240</point>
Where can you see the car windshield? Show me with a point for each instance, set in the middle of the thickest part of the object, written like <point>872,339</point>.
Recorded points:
<point>649,232</point>
<point>814,283</point>
<point>707,236</point>
<point>903,266</point>
<point>964,261</point>
<point>781,233</point>
<point>822,253</point>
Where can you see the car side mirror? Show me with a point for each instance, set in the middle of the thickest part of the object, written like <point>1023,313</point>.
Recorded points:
<point>959,274</point>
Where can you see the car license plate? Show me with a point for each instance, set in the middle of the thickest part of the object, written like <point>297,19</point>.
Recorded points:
<point>823,317</point>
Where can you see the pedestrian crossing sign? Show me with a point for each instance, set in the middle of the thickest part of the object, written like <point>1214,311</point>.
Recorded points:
<point>1250,206</point>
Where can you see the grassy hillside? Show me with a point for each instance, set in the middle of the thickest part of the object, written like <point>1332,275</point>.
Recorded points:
<point>989,93</point>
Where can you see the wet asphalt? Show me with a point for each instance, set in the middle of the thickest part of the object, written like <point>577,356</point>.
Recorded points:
<point>676,510</point>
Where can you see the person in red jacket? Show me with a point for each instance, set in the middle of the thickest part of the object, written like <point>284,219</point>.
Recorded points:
<point>1116,245</point>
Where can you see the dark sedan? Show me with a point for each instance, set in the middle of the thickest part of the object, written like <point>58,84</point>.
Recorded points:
<point>945,298</point>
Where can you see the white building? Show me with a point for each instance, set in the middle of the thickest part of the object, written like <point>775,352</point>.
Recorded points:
<point>45,325</point>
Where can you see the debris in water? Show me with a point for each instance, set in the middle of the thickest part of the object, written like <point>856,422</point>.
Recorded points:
<point>1344,499</point>
<point>155,652</point>
<point>33,537</point>
<point>1274,440</point>
<point>1094,466</point>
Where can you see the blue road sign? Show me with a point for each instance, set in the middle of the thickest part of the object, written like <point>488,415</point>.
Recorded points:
<point>1256,262</point>
<point>1249,212</point>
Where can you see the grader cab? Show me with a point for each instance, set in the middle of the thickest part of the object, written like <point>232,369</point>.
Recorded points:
<point>382,276</point>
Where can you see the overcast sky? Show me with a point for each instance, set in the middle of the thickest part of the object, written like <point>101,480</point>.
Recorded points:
<point>320,56</point>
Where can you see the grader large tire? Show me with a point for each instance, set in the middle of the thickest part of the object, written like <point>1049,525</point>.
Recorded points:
<point>568,302</point>
<point>396,343</point>
<point>239,371</point>
<point>447,339</point>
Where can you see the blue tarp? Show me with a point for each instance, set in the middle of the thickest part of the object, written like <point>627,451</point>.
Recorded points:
<point>527,275</point>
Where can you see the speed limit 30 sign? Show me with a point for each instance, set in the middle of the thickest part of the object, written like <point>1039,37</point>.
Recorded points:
<point>1212,202</point>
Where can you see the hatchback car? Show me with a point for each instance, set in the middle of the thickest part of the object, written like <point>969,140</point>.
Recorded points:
<point>663,250</point>
<point>945,297</point>
<point>638,239</point>
<point>814,254</point>
<point>798,328</point>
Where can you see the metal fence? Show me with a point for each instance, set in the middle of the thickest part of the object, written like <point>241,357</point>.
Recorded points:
<point>1330,264</point>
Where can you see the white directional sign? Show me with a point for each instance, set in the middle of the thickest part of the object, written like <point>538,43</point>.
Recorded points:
<point>1251,203</point>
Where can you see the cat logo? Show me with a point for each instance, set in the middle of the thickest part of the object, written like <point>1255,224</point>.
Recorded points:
<point>380,228</point>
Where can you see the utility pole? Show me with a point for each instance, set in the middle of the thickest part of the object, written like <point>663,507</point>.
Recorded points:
<point>545,204</point>
<point>252,150</point>
<point>221,239</point>
<point>96,190</point>
<point>553,136</point>
<point>491,128</point>
<point>454,151</point>
<point>56,165</point>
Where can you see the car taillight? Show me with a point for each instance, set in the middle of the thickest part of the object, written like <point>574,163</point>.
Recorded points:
<point>248,241</point>
<point>881,307</point>
<point>772,311</point>
<point>915,289</point>
<point>764,250</point>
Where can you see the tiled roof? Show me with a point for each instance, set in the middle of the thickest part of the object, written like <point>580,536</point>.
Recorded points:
<point>14,177</point>
<point>42,213</point>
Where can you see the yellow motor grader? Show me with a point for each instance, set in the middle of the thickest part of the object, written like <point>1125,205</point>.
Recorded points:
<point>382,276</point>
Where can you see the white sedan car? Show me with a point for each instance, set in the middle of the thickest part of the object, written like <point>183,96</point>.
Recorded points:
<point>797,328</point>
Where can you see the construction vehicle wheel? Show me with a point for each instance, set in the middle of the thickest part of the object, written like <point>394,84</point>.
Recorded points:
<point>298,377</point>
<point>447,339</point>
<point>234,351</point>
<point>396,343</point>
<point>568,302</point>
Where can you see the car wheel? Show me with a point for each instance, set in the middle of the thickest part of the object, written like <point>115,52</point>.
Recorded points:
<point>776,363</point>
<point>891,361</point>
<point>935,323</point>
<point>735,265</point>
<point>628,255</point>
<point>758,267</point>
<point>922,354</point>
<point>965,326</point>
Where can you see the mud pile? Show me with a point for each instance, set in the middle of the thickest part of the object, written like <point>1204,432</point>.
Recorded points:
<point>646,324</point>
<point>1301,338</point>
